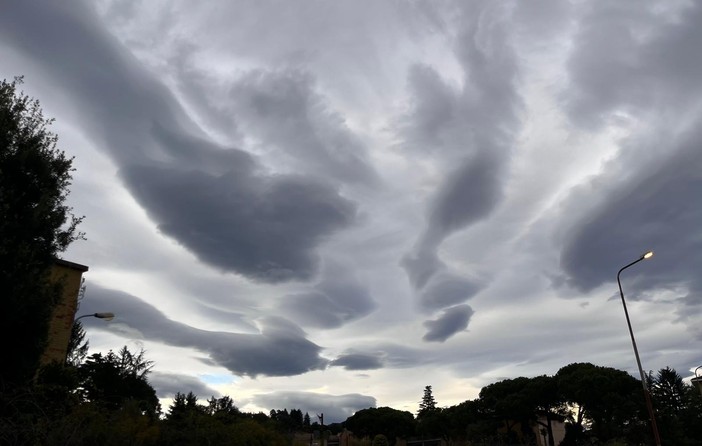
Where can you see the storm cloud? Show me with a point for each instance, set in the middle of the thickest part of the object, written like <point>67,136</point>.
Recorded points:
<point>168,384</point>
<point>473,128</point>
<point>279,349</point>
<point>637,215</point>
<point>451,321</point>
<point>261,225</point>
<point>357,361</point>
<point>337,299</point>
<point>282,109</point>
<point>262,228</point>
<point>646,198</point>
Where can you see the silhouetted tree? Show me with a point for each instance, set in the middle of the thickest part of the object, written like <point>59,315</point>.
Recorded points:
<point>467,423</point>
<point>390,422</point>
<point>677,406</point>
<point>668,389</point>
<point>542,394</point>
<point>77,345</point>
<point>427,404</point>
<point>606,400</point>
<point>296,419</point>
<point>35,226</point>
<point>504,402</point>
<point>113,379</point>
<point>223,409</point>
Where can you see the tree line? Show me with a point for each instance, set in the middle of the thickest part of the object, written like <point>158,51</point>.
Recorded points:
<point>597,405</point>
<point>107,399</point>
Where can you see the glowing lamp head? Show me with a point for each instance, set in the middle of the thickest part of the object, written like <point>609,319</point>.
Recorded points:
<point>647,255</point>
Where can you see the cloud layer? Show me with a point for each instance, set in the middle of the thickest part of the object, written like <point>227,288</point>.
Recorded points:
<point>331,206</point>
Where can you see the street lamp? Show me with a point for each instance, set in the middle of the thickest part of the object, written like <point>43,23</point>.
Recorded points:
<point>697,380</point>
<point>647,394</point>
<point>106,316</point>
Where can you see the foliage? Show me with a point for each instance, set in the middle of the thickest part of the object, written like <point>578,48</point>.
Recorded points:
<point>546,401</point>
<point>219,422</point>
<point>677,406</point>
<point>36,225</point>
<point>53,412</point>
<point>668,389</point>
<point>113,380</point>
<point>427,404</point>
<point>223,409</point>
<point>63,408</point>
<point>608,403</point>
<point>77,345</point>
<point>291,421</point>
<point>387,421</point>
<point>466,422</point>
<point>505,402</point>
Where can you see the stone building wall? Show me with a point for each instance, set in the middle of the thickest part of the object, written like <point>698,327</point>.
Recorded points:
<point>70,275</point>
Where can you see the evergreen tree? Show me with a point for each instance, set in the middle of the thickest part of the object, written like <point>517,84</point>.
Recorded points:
<point>77,345</point>
<point>669,390</point>
<point>672,402</point>
<point>111,382</point>
<point>427,404</point>
<point>183,407</point>
<point>296,418</point>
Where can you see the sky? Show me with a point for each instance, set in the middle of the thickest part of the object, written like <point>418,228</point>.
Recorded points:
<point>329,205</point>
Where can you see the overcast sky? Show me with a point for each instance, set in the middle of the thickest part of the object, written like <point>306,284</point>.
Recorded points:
<point>329,205</point>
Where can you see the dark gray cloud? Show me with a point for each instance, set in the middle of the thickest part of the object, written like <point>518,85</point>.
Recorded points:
<point>216,201</point>
<point>357,361</point>
<point>282,109</point>
<point>633,59</point>
<point>336,408</point>
<point>652,208</point>
<point>445,290</point>
<point>471,128</point>
<point>264,228</point>
<point>339,298</point>
<point>279,349</point>
<point>639,63</point>
<point>432,122</point>
<point>392,355</point>
<point>452,321</point>
<point>421,265</point>
<point>168,384</point>
<point>542,19</point>
<point>469,194</point>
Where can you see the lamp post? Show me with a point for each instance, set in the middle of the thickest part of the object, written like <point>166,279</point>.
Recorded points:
<point>697,380</point>
<point>647,395</point>
<point>106,316</point>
